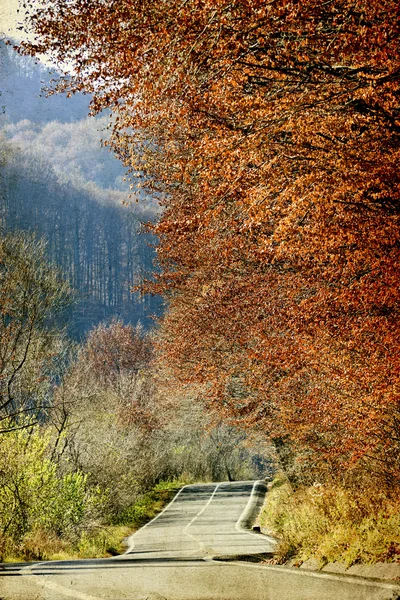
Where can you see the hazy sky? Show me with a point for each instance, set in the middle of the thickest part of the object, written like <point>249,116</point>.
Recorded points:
<point>9,18</point>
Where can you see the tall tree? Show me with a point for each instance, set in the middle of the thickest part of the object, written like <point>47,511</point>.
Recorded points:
<point>270,133</point>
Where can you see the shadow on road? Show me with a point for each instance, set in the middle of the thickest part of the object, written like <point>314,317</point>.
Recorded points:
<point>60,568</point>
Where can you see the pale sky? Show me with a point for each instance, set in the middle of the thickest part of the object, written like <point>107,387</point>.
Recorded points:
<point>9,18</point>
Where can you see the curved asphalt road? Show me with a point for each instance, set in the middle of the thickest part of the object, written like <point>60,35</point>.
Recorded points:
<point>171,559</point>
<point>204,520</point>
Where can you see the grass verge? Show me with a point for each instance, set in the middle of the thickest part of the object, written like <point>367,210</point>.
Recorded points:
<point>96,542</point>
<point>331,523</point>
<point>149,504</point>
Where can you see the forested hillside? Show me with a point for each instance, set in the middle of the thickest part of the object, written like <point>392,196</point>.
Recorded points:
<point>21,97</point>
<point>57,181</point>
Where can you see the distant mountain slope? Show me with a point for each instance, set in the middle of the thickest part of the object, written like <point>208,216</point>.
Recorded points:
<point>56,128</point>
<point>57,180</point>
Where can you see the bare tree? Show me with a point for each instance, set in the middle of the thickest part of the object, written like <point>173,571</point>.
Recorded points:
<point>32,294</point>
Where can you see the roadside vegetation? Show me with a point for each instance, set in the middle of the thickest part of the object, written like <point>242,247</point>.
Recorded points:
<point>93,440</point>
<point>332,523</point>
<point>66,518</point>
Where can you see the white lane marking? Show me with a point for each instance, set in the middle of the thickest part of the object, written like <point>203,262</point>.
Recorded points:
<point>356,579</point>
<point>185,530</point>
<point>238,527</point>
<point>242,529</point>
<point>132,543</point>
<point>55,587</point>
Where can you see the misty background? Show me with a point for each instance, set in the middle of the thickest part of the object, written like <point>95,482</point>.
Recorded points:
<point>58,181</point>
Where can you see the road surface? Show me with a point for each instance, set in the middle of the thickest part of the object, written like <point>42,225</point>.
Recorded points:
<point>172,558</point>
<point>204,521</point>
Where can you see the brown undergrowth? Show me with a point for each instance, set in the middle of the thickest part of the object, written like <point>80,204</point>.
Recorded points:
<point>331,523</point>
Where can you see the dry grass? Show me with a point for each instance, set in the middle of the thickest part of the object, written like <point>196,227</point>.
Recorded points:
<point>331,524</point>
<point>40,545</point>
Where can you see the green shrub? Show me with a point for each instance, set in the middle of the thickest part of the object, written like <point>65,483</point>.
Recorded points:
<point>35,501</point>
<point>149,504</point>
<point>27,482</point>
<point>106,541</point>
<point>45,515</point>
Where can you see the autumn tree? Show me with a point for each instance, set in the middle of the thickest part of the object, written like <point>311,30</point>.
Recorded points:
<point>269,132</point>
<point>116,349</point>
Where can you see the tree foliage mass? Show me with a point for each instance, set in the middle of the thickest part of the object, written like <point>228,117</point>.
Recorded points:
<point>269,131</point>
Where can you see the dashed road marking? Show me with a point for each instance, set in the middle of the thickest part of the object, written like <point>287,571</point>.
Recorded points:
<point>132,543</point>
<point>185,530</point>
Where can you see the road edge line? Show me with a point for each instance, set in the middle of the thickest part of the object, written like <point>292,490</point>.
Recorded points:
<point>251,511</point>
<point>132,543</point>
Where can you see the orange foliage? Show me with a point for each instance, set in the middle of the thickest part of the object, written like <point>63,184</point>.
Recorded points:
<point>117,358</point>
<point>116,350</point>
<point>269,130</point>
